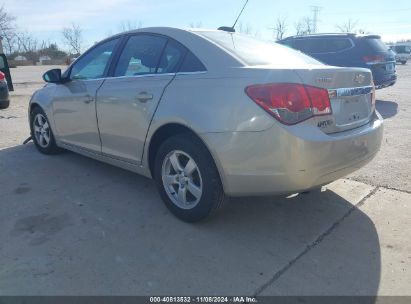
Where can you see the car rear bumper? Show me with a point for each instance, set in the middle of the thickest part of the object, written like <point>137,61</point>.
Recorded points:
<point>293,159</point>
<point>383,79</point>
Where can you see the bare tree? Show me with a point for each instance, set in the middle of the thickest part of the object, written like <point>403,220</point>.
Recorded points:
<point>247,30</point>
<point>9,41</point>
<point>44,44</point>
<point>198,24</point>
<point>298,28</point>
<point>7,30</point>
<point>304,26</point>
<point>363,31</point>
<point>280,28</point>
<point>347,27</point>
<point>128,25</point>
<point>73,37</point>
<point>27,45</point>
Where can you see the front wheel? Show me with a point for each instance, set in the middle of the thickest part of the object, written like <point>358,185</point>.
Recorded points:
<point>187,178</point>
<point>41,132</point>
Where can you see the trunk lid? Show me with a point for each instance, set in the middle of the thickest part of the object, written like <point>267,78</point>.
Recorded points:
<point>351,92</point>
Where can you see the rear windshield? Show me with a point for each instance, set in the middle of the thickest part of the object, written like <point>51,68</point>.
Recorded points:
<point>322,45</point>
<point>255,52</point>
<point>375,44</point>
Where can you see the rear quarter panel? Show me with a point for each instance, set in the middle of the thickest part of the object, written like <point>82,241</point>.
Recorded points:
<point>208,103</point>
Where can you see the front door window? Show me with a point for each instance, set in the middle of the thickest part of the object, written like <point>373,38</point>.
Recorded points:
<point>94,64</point>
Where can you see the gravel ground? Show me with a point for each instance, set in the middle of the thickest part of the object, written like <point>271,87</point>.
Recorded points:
<point>391,167</point>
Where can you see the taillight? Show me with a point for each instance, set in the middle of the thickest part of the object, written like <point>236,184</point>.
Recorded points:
<point>2,76</point>
<point>291,103</point>
<point>373,59</point>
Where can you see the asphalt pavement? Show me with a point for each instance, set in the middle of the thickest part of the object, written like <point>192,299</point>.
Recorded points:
<point>70,225</point>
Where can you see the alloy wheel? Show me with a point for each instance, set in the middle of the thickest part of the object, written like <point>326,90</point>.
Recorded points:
<point>41,130</point>
<point>182,179</point>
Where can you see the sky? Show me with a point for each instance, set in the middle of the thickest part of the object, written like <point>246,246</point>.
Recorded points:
<point>101,18</point>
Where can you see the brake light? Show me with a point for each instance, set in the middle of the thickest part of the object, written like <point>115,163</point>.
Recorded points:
<point>373,59</point>
<point>291,103</point>
<point>2,76</point>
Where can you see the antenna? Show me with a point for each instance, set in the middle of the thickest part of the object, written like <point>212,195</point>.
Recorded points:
<point>231,29</point>
<point>235,23</point>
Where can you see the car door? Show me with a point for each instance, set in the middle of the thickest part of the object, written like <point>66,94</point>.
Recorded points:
<point>127,101</point>
<point>74,108</point>
<point>4,67</point>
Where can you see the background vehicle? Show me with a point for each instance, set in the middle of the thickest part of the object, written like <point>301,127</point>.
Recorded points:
<point>4,92</point>
<point>349,50</point>
<point>402,51</point>
<point>207,115</point>
<point>4,68</point>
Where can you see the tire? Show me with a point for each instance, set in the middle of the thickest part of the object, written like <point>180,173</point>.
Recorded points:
<point>193,177</point>
<point>403,62</point>
<point>4,104</point>
<point>40,131</point>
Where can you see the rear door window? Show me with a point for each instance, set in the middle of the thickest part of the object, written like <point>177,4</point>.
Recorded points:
<point>192,64</point>
<point>171,59</point>
<point>141,56</point>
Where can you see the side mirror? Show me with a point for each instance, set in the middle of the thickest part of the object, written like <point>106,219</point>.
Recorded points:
<point>53,76</point>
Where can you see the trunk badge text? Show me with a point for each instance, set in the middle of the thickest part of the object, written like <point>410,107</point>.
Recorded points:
<point>324,80</point>
<point>325,123</point>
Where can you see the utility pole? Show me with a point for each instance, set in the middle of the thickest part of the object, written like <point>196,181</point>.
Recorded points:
<point>316,12</point>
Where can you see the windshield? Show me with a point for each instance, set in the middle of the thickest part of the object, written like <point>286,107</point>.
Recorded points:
<point>403,49</point>
<point>255,52</point>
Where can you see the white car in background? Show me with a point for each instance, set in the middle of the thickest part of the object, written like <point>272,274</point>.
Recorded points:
<point>402,52</point>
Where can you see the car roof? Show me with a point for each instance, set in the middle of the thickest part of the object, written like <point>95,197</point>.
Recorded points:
<point>211,55</point>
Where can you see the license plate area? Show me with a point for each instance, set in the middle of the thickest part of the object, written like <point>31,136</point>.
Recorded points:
<point>351,110</point>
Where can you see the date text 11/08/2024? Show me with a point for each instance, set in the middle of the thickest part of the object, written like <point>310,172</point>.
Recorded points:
<point>203,300</point>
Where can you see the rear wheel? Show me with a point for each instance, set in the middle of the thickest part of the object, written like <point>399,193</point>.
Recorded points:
<point>403,62</point>
<point>41,132</point>
<point>187,178</point>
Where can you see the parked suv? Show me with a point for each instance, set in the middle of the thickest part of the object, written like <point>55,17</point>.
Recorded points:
<point>350,50</point>
<point>403,52</point>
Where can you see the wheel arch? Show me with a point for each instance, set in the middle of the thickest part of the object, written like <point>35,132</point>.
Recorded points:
<point>171,129</point>
<point>34,105</point>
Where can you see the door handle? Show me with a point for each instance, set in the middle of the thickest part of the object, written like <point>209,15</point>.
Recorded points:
<point>88,99</point>
<point>144,97</point>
